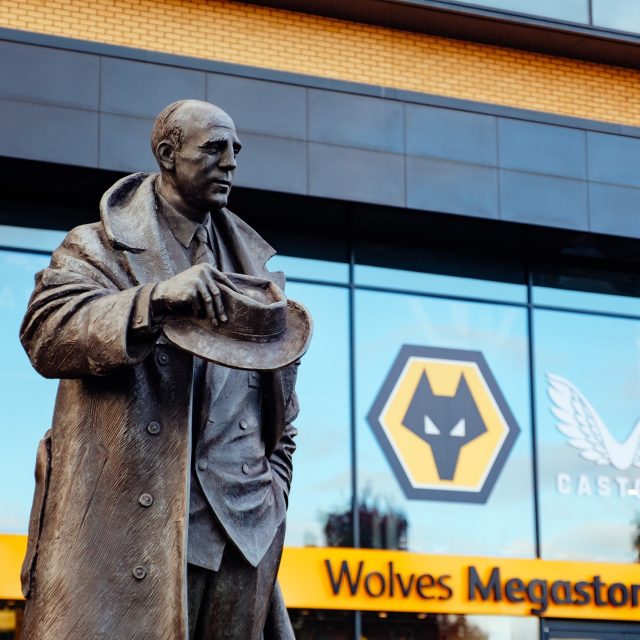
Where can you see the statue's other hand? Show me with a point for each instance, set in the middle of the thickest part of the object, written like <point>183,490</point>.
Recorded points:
<point>194,291</point>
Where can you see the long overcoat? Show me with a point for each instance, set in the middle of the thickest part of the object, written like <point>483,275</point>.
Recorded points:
<point>107,538</point>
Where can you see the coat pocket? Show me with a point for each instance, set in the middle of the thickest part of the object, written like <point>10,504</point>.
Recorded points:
<point>42,473</point>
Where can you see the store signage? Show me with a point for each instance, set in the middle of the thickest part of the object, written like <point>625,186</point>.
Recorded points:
<point>584,429</point>
<point>443,424</point>
<point>375,580</point>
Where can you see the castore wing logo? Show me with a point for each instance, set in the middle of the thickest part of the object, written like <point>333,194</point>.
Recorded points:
<point>580,423</point>
<point>443,424</point>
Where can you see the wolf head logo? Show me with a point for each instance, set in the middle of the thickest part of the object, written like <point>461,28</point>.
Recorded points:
<point>445,423</point>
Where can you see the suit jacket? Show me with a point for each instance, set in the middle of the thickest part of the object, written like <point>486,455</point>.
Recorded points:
<point>107,537</point>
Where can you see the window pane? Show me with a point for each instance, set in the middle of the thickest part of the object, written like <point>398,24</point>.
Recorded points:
<point>617,14</point>
<point>322,462</point>
<point>316,624</point>
<point>33,239</point>
<point>447,444</point>
<point>411,626</point>
<point>569,10</point>
<point>587,390</point>
<point>575,288</point>
<point>26,402</point>
<point>439,272</point>
<point>307,269</point>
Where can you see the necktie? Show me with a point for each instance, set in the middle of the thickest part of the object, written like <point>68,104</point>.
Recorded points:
<point>203,252</point>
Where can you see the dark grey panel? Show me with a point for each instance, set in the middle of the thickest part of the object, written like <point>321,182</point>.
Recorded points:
<point>543,200</point>
<point>144,89</point>
<point>615,210</point>
<point>529,146</point>
<point>124,144</point>
<point>355,174</point>
<point>451,135</point>
<point>261,107</point>
<point>41,74</point>
<point>275,164</point>
<point>356,121</point>
<point>45,132</point>
<point>452,187</point>
<point>614,159</point>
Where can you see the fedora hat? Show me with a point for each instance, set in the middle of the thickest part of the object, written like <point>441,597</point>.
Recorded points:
<point>264,330</point>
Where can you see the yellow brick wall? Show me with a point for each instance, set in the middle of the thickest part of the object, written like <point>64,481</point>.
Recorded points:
<point>246,34</point>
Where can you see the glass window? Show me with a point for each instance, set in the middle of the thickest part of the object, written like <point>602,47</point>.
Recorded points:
<point>439,273</point>
<point>308,269</point>
<point>617,14</point>
<point>569,10</point>
<point>587,389</point>
<point>45,240</point>
<point>420,626</point>
<point>442,455</point>
<point>317,624</point>
<point>320,500</point>
<point>26,402</point>
<point>594,290</point>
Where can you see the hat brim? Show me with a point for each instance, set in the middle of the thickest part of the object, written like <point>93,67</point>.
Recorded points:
<point>200,337</point>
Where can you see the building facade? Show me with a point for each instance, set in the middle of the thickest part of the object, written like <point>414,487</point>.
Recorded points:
<point>453,189</point>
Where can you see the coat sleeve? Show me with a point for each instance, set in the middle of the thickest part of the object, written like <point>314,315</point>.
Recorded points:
<point>78,319</point>
<point>281,459</point>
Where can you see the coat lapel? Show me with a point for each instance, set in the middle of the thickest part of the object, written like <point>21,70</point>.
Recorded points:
<point>128,213</point>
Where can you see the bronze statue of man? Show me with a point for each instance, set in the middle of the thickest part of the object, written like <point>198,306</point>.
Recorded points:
<point>161,488</point>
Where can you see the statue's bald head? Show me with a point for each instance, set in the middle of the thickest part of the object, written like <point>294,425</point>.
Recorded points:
<point>181,117</point>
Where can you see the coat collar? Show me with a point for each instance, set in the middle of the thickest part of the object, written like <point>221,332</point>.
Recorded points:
<point>128,214</point>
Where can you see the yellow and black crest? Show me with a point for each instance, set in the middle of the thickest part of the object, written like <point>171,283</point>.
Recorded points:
<point>443,424</point>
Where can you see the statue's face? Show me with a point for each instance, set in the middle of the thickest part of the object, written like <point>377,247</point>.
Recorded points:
<point>204,165</point>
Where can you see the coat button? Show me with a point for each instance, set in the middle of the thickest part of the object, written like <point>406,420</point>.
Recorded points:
<point>139,572</point>
<point>153,428</point>
<point>245,468</point>
<point>163,358</point>
<point>202,465</point>
<point>146,499</point>
<point>243,424</point>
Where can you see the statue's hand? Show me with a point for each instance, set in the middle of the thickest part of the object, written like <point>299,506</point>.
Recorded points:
<point>195,291</point>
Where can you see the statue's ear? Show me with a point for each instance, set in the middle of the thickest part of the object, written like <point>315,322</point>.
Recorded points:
<point>165,154</point>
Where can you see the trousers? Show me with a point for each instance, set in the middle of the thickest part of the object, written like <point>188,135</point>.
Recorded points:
<point>233,603</point>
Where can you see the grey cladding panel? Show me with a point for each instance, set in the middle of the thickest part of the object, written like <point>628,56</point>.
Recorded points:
<point>143,89</point>
<point>615,210</point>
<point>52,76</point>
<point>614,159</point>
<point>275,164</point>
<point>124,144</point>
<point>540,148</point>
<point>451,135</point>
<point>261,107</point>
<point>543,200</point>
<point>356,121</point>
<point>452,187</point>
<point>48,133</point>
<point>355,174</point>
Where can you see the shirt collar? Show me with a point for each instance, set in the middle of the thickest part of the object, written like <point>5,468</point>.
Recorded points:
<point>182,228</point>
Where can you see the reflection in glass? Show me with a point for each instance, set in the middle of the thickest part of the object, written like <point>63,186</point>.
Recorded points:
<point>617,14</point>
<point>569,10</point>
<point>26,402</point>
<point>316,624</point>
<point>587,390</point>
<point>439,284</point>
<point>11,617</point>
<point>385,322</point>
<point>307,269</point>
<point>422,626</point>
<point>574,288</point>
<point>322,462</point>
<point>439,272</point>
